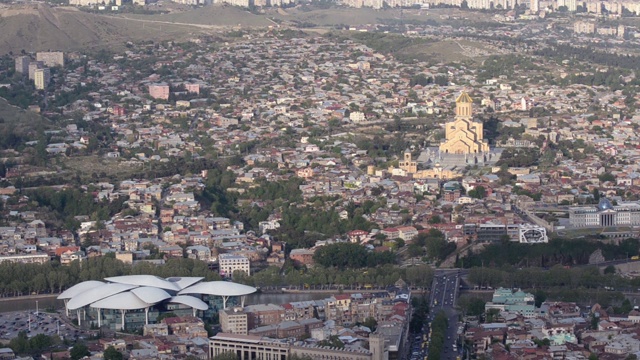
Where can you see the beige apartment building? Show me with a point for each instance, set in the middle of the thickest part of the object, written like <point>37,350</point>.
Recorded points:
<point>51,58</point>
<point>234,321</point>
<point>584,27</point>
<point>22,64</point>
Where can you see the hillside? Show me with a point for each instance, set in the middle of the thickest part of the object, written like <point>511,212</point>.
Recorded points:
<point>41,27</point>
<point>18,125</point>
<point>213,16</point>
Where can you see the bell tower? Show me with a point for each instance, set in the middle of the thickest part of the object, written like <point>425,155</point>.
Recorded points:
<point>464,105</point>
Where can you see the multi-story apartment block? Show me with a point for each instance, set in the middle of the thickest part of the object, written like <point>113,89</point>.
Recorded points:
<point>264,314</point>
<point>22,64</point>
<point>51,59</point>
<point>230,263</point>
<point>159,91</point>
<point>234,321</point>
<point>33,66</point>
<point>584,27</point>
<point>41,78</point>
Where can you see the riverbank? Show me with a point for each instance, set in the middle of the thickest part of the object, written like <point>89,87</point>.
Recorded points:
<point>29,297</point>
<point>42,302</point>
<point>329,291</point>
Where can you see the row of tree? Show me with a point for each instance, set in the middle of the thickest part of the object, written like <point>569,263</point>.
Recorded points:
<point>318,277</point>
<point>439,327</point>
<point>556,251</point>
<point>23,279</point>
<point>557,276</point>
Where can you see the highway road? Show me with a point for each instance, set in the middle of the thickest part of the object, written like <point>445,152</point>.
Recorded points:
<point>444,294</point>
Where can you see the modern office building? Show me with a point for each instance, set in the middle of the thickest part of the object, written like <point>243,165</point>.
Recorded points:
<point>492,232</point>
<point>136,300</point>
<point>605,214</point>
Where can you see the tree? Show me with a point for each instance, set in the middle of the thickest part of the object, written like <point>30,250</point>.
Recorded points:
<point>610,269</point>
<point>371,323</point>
<point>40,342</point>
<point>415,250</point>
<point>479,192</point>
<point>20,344</point>
<point>539,297</point>
<point>472,306</point>
<point>435,219</point>
<point>607,176</point>
<point>333,341</point>
<point>492,315</point>
<point>78,351</point>
<point>112,354</point>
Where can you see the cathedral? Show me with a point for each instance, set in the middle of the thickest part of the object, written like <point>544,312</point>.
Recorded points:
<point>464,143</point>
<point>463,134</point>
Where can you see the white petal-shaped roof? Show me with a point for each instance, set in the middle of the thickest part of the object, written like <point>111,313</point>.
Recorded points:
<point>219,288</point>
<point>184,282</point>
<point>145,280</point>
<point>150,295</point>
<point>78,289</point>
<point>190,301</point>
<point>97,293</point>
<point>122,301</point>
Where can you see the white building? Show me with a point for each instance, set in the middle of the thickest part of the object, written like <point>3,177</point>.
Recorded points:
<point>268,225</point>
<point>230,263</point>
<point>605,215</point>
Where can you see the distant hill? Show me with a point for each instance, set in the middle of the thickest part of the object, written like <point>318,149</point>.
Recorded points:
<point>41,27</point>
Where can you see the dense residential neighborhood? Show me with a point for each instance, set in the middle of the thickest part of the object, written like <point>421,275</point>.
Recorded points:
<point>286,193</point>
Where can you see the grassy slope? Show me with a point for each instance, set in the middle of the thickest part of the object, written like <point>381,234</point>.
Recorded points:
<point>21,122</point>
